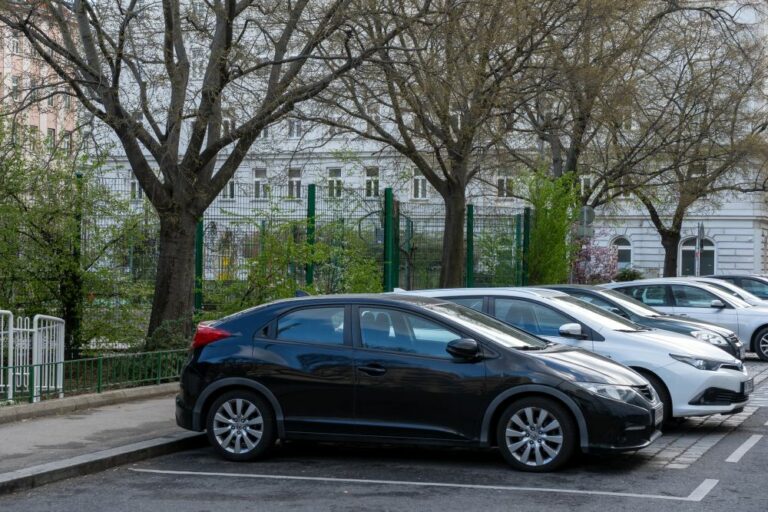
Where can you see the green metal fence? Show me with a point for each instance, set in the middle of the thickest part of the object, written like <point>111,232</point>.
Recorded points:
<point>93,375</point>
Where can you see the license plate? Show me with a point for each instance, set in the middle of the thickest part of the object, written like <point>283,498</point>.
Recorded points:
<point>658,415</point>
<point>748,386</point>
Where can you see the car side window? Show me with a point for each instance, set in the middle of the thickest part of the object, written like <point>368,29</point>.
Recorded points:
<point>650,295</point>
<point>692,297</point>
<point>599,302</point>
<point>323,326</point>
<point>755,287</point>
<point>475,303</point>
<point>529,316</point>
<point>397,331</point>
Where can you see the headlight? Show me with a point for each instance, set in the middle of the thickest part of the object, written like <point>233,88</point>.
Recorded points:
<point>701,364</point>
<point>614,392</point>
<point>710,337</point>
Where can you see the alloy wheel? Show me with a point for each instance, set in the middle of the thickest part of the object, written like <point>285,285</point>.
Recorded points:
<point>238,426</point>
<point>534,437</point>
<point>762,347</point>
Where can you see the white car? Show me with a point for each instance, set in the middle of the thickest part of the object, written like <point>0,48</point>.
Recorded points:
<point>736,291</point>
<point>692,378</point>
<point>705,302</point>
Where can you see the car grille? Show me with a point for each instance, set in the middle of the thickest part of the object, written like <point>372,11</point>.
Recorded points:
<point>719,396</point>
<point>646,392</point>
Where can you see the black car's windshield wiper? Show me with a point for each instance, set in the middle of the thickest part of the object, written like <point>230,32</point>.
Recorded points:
<point>632,330</point>
<point>530,347</point>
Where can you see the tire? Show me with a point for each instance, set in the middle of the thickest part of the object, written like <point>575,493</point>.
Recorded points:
<point>554,437</point>
<point>241,426</point>
<point>663,394</point>
<point>761,344</point>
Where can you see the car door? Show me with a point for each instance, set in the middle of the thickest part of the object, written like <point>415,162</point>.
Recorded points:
<point>696,303</point>
<point>313,376</point>
<point>754,286</point>
<point>538,319</point>
<point>657,296</point>
<point>407,385</point>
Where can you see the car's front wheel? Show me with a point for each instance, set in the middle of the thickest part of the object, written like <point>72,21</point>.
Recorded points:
<point>761,344</point>
<point>241,426</point>
<point>536,434</point>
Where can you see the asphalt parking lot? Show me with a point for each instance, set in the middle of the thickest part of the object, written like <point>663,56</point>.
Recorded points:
<point>714,463</point>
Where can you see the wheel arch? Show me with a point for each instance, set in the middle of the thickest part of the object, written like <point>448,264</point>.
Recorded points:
<point>219,387</point>
<point>497,406</point>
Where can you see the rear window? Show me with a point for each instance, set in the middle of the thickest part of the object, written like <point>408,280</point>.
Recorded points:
<point>322,326</point>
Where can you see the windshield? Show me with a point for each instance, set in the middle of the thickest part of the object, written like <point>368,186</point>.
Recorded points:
<point>735,291</point>
<point>634,305</point>
<point>595,316</point>
<point>487,326</point>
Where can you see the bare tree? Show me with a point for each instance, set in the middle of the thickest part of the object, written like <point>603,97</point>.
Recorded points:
<point>434,96</point>
<point>160,74</point>
<point>713,137</point>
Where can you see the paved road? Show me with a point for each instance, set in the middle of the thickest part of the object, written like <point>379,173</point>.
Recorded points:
<point>711,464</point>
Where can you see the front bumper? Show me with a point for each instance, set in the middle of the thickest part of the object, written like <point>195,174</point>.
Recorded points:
<point>701,392</point>
<point>614,426</point>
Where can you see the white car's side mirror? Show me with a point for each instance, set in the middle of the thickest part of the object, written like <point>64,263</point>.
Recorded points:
<point>572,330</point>
<point>717,303</point>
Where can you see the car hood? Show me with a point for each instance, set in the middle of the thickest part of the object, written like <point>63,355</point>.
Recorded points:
<point>693,324</point>
<point>673,343</point>
<point>575,364</point>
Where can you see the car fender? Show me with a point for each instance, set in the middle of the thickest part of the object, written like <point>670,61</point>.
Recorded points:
<point>541,390</point>
<point>198,422</point>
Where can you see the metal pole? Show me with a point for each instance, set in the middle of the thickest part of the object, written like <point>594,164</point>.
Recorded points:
<point>389,240</point>
<point>199,232</point>
<point>470,246</point>
<point>310,277</point>
<point>526,245</point>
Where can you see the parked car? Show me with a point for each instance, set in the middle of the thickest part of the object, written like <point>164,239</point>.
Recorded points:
<point>736,291</point>
<point>690,377</point>
<point>704,302</point>
<point>634,310</point>
<point>753,283</point>
<point>406,369</point>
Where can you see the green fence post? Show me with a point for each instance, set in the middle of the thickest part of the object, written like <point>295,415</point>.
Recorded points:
<point>389,240</point>
<point>199,231</point>
<point>396,244</point>
<point>310,274</point>
<point>32,384</point>
<point>470,246</point>
<point>526,246</point>
<point>99,367</point>
<point>159,366</point>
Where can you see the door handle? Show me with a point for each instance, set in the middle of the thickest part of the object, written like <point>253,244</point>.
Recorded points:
<point>372,370</point>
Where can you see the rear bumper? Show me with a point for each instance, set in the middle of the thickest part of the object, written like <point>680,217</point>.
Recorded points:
<point>184,414</point>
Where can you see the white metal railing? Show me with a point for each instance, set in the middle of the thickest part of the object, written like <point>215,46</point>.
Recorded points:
<point>31,348</point>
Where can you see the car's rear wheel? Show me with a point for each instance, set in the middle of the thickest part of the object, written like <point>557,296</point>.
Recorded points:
<point>761,344</point>
<point>241,426</point>
<point>536,434</point>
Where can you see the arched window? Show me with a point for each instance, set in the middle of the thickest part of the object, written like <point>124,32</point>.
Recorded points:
<point>688,257</point>
<point>624,252</point>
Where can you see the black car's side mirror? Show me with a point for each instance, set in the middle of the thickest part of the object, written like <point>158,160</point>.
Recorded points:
<point>463,348</point>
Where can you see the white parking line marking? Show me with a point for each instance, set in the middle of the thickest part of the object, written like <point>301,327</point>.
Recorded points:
<point>744,448</point>
<point>698,494</point>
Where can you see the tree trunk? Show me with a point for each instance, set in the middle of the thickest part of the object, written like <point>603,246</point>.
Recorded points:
<point>71,290</point>
<point>173,302</point>
<point>452,263</point>
<point>670,240</point>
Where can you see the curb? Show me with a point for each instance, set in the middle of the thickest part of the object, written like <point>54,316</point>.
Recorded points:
<point>71,404</point>
<point>42,474</point>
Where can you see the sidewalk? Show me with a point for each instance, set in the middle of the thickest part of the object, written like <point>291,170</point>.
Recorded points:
<point>42,450</point>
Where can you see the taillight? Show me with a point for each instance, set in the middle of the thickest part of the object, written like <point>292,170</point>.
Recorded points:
<point>206,334</point>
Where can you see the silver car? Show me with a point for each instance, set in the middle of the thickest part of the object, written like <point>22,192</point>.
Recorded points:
<point>703,301</point>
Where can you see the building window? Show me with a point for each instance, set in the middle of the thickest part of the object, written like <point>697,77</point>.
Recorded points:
<point>15,88</point>
<point>294,128</point>
<point>34,137</point>
<point>371,182</point>
<point>264,133</point>
<point>374,118</point>
<point>136,192</point>
<point>67,101</point>
<point>33,89</point>
<point>51,100</point>
<point>419,186</point>
<point>586,185</point>
<point>66,142</point>
<point>294,183</point>
<point>504,186</point>
<point>335,185</point>
<point>688,257</point>
<point>16,43</point>
<point>230,190</point>
<point>50,140</point>
<point>624,252</point>
<point>260,184</point>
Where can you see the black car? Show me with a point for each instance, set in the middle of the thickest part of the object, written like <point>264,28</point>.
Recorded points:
<point>634,310</point>
<point>409,369</point>
<point>754,284</point>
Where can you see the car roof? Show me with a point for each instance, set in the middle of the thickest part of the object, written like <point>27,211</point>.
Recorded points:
<point>472,292</point>
<point>571,286</point>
